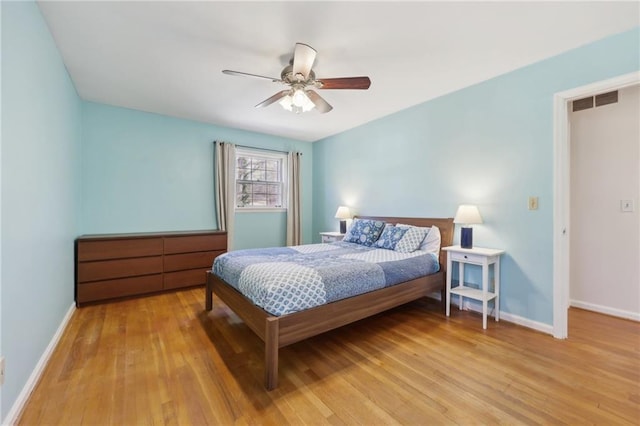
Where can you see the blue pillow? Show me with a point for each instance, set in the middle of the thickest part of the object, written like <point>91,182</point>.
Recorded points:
<point>364,231</point>
<point>390,237</point>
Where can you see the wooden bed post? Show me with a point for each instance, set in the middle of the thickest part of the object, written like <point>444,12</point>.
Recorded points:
<point>271,340</point>
<point>209,291</point>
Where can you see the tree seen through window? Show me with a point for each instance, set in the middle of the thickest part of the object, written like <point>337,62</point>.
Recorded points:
<point>259,181</point>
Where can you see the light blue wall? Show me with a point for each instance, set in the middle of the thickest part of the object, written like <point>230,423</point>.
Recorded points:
<point>41,122</point>
<point>490,145</point>
<point>146,172</point>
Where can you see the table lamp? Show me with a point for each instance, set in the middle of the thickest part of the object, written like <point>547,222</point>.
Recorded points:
<point>343,214</point>
<point>467,215</point>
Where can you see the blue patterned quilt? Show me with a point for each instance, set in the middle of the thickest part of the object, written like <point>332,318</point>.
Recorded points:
<point>282,280</point>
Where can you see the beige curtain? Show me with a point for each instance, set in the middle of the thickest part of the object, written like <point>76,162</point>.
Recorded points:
<point>293,207</point>
<point>225,188</point>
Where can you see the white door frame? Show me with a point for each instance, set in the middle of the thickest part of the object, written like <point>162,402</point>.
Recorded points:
<point>561,191</point>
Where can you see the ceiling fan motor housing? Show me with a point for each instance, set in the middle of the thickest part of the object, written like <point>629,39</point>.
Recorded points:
<point>288,77</point>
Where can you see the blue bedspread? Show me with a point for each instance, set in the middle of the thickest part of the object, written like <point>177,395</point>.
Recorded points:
<point>283,280</point>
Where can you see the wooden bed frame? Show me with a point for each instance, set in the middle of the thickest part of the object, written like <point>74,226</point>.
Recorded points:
<point>280,331</point>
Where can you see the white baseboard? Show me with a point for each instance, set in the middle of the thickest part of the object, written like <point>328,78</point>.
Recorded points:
<point>634,316</point>
<point>18,405</point>
<point>516,319</point>
<point>526,322</point>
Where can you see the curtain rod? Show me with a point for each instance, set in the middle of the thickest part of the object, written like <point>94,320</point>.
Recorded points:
<point>262,149</point>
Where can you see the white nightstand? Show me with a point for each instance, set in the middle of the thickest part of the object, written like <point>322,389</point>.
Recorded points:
<point>475,256</point>
<point>329,237</point>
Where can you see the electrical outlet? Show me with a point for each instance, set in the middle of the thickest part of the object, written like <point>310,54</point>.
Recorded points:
<point>533,203</point>
<point>626,205</point>
<point>1,370</point>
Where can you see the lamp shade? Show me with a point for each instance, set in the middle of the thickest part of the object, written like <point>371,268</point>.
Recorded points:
<point>343,213</point>
<point>467,215</point>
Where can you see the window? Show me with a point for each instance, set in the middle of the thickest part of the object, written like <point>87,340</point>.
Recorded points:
<point>261,181</point>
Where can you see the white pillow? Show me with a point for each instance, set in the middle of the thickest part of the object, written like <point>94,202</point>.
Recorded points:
<point>431,243</point>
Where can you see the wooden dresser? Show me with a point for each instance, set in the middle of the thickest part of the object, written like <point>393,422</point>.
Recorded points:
<point>111,266</point>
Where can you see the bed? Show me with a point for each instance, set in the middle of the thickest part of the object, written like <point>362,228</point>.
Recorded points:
<point>277,331</point>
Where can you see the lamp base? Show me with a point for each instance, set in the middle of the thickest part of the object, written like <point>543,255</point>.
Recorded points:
<point>466,238</point>
<point>343,226</point>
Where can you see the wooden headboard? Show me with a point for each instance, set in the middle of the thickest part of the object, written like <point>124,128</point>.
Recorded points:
<point>444,224</point>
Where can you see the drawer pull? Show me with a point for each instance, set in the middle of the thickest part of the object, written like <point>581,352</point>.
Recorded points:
<point>466,257</point>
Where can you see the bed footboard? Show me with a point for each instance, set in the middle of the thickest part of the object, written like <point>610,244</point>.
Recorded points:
<point>277,332</point>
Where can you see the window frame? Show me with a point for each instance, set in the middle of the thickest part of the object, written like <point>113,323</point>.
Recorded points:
<point>282,157</point>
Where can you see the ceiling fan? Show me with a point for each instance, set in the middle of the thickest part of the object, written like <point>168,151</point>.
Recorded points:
<point>298,75</point>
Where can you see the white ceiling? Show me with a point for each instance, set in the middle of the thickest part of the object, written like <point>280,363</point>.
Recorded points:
<point>167,57</point>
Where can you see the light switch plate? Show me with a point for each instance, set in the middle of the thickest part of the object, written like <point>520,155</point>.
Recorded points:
<point>533,203</point>
<point>626,205</point>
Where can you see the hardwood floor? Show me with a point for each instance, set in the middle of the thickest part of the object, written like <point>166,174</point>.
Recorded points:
<point>164,360</point>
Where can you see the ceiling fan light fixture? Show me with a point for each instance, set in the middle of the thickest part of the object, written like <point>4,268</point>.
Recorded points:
<point>297,102</point>
<point>299,98</point>
<point>287,103</point>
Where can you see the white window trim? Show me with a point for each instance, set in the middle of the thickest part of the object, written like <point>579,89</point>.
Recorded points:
<point>257,152</point>
<point>260,209</point>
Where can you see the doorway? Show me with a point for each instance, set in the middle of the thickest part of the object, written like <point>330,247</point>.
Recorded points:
<point>561,219</point>
<point>605,183</point>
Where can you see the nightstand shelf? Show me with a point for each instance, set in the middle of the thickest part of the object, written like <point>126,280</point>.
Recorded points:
<point>472,293</point>
<point>483,257</point>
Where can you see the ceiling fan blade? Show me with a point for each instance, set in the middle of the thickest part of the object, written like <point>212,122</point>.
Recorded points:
<point>321,105</point>
<point>345,83</point>
<point>246,74</point>
<point>272,99</point>
<point>303,58</point>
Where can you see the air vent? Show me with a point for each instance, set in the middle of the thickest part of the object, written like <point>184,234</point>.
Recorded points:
<point>607,98</point>
<point>585,103</point>
<point>602,99</point>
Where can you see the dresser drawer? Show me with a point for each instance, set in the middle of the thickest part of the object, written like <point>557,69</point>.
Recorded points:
<point>180,262</point>
<point>102,290</point>
<point>188,278</point>
<point>193,243</point>
<point>118,248</point>
<point>109,269</point>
